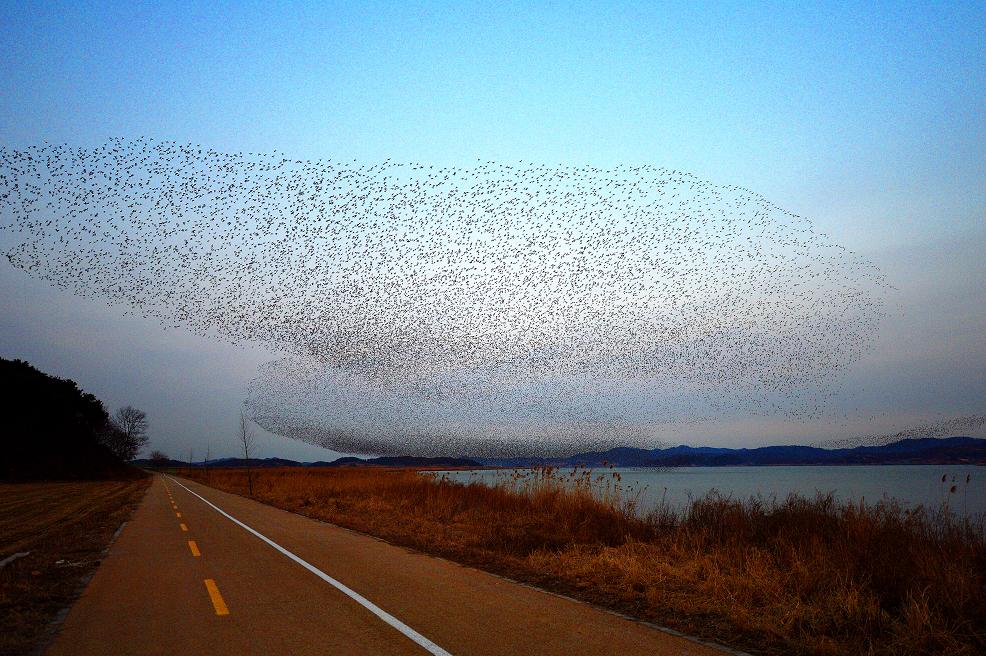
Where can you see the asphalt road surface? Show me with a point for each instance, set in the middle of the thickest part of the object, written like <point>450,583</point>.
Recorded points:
<point>221,574</point>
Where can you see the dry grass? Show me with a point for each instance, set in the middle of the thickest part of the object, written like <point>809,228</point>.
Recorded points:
<point>803,576</point>
<point>65,527</point>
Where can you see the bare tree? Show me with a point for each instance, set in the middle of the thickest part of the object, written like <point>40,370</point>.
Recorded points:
<point>158,459</point>
<point>247,439</point>
<point>126,433</point>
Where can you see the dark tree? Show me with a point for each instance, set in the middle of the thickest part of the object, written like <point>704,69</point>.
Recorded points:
<point>129,432</point>
<point>115,440</point>
<point>52,429</point>
<point>159,459</point>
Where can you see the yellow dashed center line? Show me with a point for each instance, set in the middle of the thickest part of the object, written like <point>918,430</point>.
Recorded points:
<point>217,599</point>
<point>210,585</point>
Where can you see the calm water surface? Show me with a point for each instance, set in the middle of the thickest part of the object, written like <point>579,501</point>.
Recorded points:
<point>910,484</point>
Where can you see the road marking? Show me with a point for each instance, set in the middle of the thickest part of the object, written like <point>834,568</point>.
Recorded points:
<point>178,515</point>
<point>195,548</point>
<point>217,599</point>
<point>184,528</point>
<point>424,642</point>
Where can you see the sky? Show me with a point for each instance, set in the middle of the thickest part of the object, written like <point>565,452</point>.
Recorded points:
<point>868,118</point>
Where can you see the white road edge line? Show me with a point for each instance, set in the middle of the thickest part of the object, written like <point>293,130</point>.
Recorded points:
<point>430,646</point>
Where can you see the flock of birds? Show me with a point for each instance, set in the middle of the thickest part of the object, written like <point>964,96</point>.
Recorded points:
<point>492,309</point>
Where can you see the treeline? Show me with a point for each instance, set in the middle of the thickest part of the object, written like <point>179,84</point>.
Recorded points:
<point>52,429</point>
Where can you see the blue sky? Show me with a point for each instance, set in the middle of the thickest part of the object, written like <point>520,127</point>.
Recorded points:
<point>868,118</point>
<point>848,108</point>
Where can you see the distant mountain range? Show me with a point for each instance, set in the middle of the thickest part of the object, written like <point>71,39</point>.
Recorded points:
<point>931,451</point>
<point>921,451</point>
<point>348,461</point>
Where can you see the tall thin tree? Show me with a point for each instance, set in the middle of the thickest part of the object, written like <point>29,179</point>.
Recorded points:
<point>247,439</point>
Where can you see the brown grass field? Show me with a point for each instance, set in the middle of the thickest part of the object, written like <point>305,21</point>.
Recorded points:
<point>802,576</point>
<point>65,527</point>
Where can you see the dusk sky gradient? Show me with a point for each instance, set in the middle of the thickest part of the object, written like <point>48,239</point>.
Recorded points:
<point>869,119</point>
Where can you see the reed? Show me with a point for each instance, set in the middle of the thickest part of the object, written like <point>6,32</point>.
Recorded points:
<point>799,575</point>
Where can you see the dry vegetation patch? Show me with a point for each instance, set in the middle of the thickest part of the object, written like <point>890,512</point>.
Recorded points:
<point>802,576</point>
<point>64,527</point>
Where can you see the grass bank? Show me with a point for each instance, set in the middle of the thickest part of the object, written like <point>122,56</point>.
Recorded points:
<point>53,536</point>
<point>800,576</point>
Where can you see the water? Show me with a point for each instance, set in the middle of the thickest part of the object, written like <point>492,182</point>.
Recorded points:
<point>912,485</point>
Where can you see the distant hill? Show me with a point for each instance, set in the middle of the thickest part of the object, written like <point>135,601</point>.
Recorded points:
<point>400,461</point>
<point>167,463</point>
<point>930,451</point>
<point>220,462</point>
<point>921,451</point>
<point>254,462</point>
<point>347,461</point>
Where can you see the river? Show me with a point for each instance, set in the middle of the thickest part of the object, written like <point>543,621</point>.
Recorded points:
<point>912,485</point>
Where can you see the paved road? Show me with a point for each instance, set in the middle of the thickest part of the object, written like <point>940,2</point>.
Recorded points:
<point>183,578</point>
